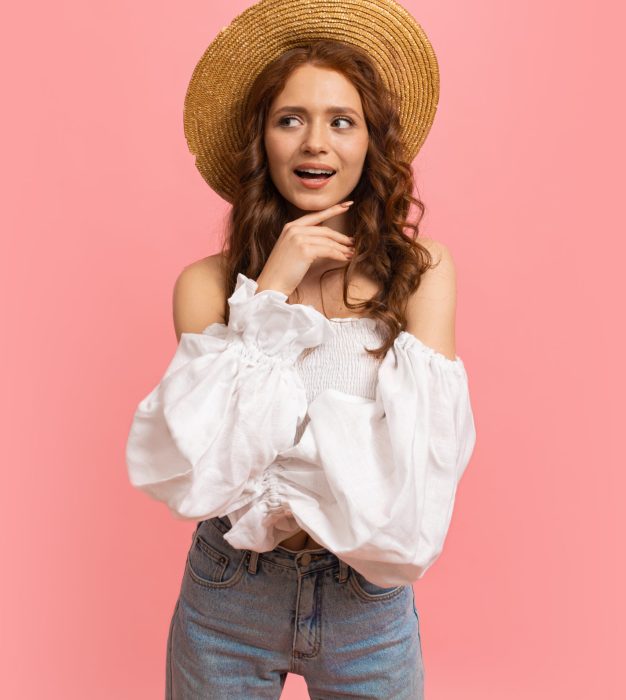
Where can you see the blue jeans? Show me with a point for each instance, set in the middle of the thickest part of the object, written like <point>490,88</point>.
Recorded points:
<point>244,619</point>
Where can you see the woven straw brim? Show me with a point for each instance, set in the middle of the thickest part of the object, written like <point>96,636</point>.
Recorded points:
<point>218,88</point>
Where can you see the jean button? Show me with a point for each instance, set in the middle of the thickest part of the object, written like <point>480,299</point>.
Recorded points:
<point>306,559</point>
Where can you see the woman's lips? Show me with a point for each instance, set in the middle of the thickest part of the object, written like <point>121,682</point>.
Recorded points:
<point>314,183</point>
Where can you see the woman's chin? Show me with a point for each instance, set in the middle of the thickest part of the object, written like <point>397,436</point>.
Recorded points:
<point>302,206</point>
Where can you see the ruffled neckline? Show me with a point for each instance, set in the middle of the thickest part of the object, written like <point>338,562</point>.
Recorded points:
<point>351,319</point>
<point>403,340</point>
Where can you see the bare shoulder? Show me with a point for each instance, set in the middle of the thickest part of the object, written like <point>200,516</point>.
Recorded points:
<point>436,248</point>
<point>431,310</point>
<point>198,297</point>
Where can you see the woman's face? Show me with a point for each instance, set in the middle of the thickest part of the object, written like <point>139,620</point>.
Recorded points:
<point>316,119</point>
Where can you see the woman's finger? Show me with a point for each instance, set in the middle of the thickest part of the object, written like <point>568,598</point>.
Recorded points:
<point>323,231</point>
<point>336,252</point>
<point>323,241</point>
<point>317,217</point>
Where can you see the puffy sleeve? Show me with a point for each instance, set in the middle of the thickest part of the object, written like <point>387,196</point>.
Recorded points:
<point>229,402</point>
<point>374,481</point>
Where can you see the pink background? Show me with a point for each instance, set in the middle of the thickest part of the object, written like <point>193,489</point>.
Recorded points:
<point>522,176</point>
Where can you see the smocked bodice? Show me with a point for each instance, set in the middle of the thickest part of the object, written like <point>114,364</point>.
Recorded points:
<point>342,363</point>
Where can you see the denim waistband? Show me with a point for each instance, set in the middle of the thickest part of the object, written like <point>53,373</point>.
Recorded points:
<point>312,559</point>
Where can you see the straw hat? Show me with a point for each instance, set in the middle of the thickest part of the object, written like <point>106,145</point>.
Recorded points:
<point>219,84</point>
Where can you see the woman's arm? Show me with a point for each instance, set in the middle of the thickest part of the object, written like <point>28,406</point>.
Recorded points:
<point>229,402</point>
<point>392,465</point>
<point>375,480</point>
<point>431,309</point>
<point>198,298</point>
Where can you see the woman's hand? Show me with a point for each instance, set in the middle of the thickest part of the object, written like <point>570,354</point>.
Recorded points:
<point>300,244</point>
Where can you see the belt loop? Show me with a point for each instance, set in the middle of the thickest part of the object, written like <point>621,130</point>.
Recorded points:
<point>343,571</point>
<point>252,561</point>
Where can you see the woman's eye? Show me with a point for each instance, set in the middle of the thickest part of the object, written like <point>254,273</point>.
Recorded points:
<point>345,119</point>
<point>282,122</point>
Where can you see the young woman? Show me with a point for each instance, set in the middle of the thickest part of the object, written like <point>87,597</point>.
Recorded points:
<point>315,419</point>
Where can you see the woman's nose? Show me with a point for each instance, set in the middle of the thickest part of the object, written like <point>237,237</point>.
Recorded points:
<point>315,136</point>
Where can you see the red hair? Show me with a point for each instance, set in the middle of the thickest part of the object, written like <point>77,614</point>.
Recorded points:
<point>382,197</point>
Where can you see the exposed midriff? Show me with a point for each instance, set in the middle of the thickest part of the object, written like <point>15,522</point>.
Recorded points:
<point>301,540</point>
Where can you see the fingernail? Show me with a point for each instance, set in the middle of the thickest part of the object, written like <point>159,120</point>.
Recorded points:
<point>346,204</point>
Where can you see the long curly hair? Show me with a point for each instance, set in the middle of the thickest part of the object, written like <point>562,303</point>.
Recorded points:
<point>382,198</point>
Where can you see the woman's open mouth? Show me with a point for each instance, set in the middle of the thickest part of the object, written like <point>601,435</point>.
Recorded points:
<point>314,179</point>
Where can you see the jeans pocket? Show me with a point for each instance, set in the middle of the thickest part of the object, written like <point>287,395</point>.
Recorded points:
<point>211,560</point>
<point>371,591</point>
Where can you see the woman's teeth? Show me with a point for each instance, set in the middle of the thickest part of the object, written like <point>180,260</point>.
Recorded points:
<point>314,174</point>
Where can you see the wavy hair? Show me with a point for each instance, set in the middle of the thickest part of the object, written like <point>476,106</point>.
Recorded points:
<point>382,198</point>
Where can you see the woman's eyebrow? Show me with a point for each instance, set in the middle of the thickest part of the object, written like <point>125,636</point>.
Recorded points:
<point>335,108</point>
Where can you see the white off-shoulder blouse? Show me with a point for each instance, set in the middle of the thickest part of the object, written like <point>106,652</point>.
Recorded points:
<point>283,422</point>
